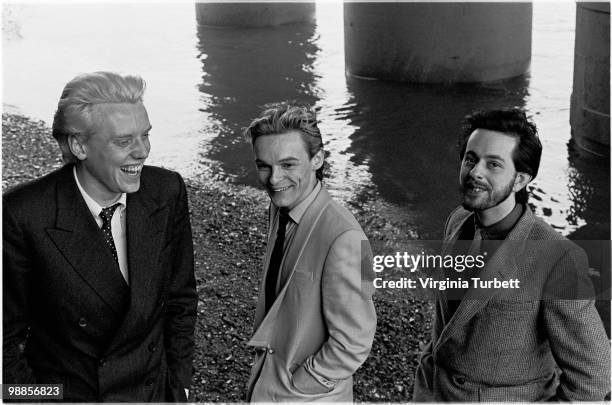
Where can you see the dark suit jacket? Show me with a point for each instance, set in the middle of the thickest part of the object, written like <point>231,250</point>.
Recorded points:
<point>70,318</point>
<point>529,344</point>
<point>323,320</point>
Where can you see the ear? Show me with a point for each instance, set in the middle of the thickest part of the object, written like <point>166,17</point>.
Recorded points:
<point>77,148</point>
<point>317,160</point>
<point>521,181</point>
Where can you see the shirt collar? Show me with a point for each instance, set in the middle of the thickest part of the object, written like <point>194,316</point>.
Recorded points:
<point>501,229</point>
<point>298,211</point>
<point>93,206</point>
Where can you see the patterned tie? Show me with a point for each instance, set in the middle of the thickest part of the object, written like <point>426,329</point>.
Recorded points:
<point>276,258</point>
<point>107,216</point>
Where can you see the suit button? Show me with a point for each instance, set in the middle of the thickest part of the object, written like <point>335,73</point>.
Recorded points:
<point>460,379</point>
<point>101,362</point>
<point>82,322</point>
<point>271,351</point>
<point>160,302</point>
<point>149,382</point>
<point>152,347</point>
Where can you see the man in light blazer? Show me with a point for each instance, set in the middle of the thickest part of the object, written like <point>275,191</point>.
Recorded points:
<point>100,300</point>
<point>542,341</point>
<point>315,319</point>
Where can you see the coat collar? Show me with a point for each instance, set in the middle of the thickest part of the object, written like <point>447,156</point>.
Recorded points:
<point>502,265</point>
<point>145,235</point>
<point>264,323</point>
<point>78,237</point>
<point>80,240</point>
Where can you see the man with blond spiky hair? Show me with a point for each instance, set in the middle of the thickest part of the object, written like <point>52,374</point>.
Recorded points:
<point>99,289</point>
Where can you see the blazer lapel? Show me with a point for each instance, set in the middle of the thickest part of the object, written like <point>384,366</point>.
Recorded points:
<point>265,324</point>
<point>145,224</point>
<point>502,265</point>
<point>81,242</point>
<point>447,249</point>
<point>261,302</point>
<point>304,231</point>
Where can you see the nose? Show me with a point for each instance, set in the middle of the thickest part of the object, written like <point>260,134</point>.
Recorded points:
<point>478,170</point>
<point>275,175</point>
<point>141,148</point>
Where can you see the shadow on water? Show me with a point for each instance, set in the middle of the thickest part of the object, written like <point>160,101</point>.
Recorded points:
<point>589,188</point>
<point>408,134</point>
<point>242,70</point>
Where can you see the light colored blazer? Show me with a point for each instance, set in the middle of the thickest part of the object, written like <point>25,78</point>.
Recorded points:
<point>321,327</point>
<point>510,344</point>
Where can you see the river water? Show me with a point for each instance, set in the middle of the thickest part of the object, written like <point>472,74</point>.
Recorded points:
<point>386,142</point>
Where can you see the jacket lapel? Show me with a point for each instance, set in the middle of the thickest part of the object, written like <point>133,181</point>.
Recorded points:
<point>447,249</point>
<point>81,242</point>
<point>307,224</point>
<point>145,224</point>
<point>265,325</point>
<point>502,265</point>
<point>261,302</point>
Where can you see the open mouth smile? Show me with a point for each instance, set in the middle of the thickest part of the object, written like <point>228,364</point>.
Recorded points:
<point>279,189</point>
<point>132,170</point>
<point>474,188</point>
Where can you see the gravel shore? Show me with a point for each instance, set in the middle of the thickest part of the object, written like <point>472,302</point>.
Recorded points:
<point>229,232</point>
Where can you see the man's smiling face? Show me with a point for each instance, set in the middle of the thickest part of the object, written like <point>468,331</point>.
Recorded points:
<point>284,167</point>
<point>112,157</point>
<point>488,175</point>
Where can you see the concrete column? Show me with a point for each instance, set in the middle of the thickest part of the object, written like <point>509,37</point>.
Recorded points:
<point>437,42</point>
<point>590,103</point>
<point>253,14</point>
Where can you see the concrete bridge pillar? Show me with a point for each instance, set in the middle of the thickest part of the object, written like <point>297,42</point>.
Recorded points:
<point>590,103</point>
<point>437,42</point>
<point>253,14</point>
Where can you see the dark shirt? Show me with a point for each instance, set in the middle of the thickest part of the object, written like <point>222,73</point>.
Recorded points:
<point>492,236</point>
<point>497,231</point>
<point>501,229</point>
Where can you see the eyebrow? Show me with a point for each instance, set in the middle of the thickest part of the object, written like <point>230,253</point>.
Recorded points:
<point>490,156</point>
<point>285,160</point>
<point>289,159</point>
<point>129,135</point>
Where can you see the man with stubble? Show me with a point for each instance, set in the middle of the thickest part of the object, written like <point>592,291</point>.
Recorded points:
<point>543,341</point>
